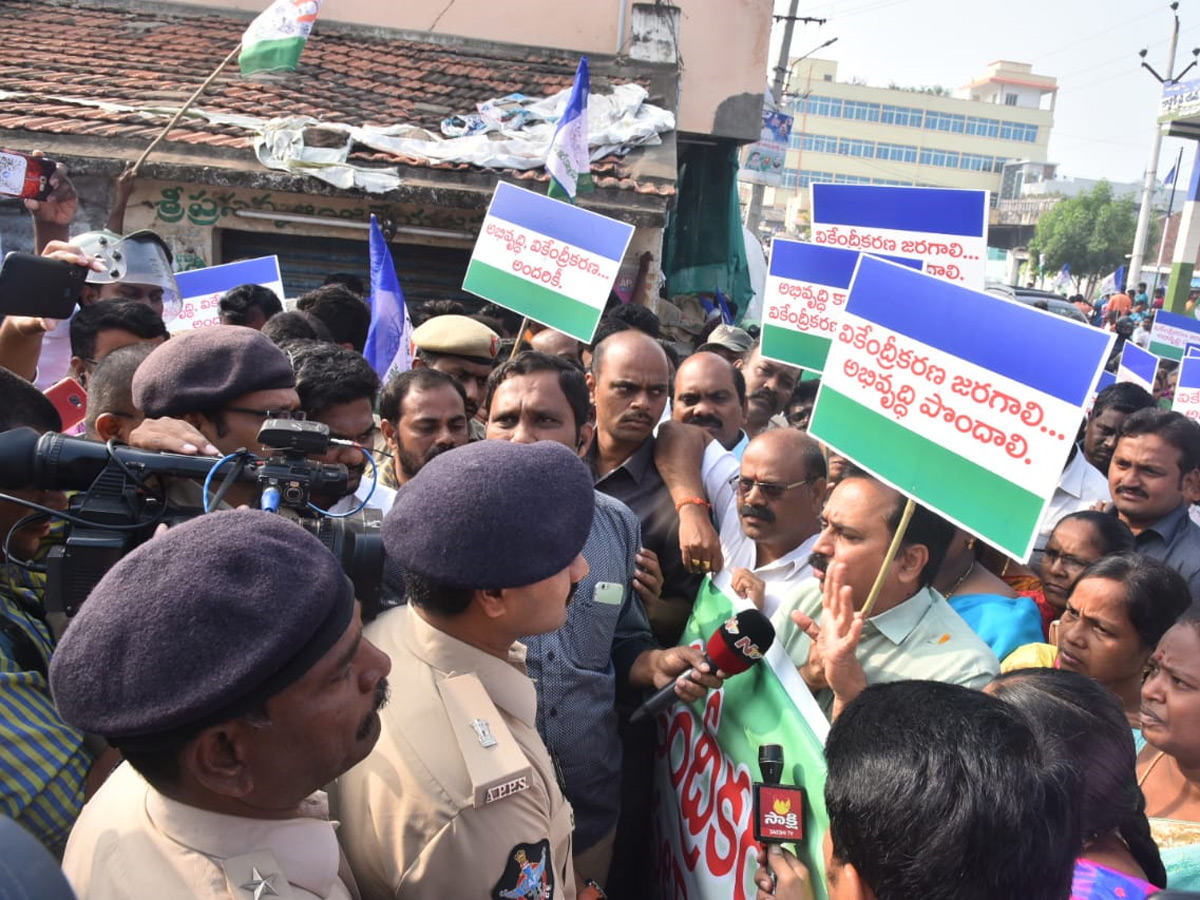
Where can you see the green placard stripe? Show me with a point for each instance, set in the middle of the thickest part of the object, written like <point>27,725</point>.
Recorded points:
<point>539,303</point>
<point>805,350</point>
<point>1005,514</point>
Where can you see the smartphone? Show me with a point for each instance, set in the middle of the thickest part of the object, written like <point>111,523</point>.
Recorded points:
<point>70,399</point>
<point>25,176</point>
<point>39,286</point>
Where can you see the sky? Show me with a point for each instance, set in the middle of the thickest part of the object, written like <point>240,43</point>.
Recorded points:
<point>1107,104</point>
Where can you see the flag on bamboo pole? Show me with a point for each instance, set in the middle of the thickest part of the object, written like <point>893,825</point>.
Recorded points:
<point>568,162</point>
<point>389,340</point>
<point>275,40</point>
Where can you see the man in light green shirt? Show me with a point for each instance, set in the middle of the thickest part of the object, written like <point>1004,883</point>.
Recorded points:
<point>912,633</point>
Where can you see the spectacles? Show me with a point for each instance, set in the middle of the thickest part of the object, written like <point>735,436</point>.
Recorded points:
<point>1068,561</point>
<point>770,489</point>
<point>297,414</point>
<point>363,439</point>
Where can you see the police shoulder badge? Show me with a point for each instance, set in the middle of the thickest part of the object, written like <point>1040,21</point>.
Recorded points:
<point>529,874</point>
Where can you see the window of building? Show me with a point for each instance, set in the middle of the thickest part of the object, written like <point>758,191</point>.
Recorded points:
<point>939,121</point>
<point>850,147</point>
<point>1010,99</point>
<point>808,177</point>
<point>863,112</point>
<point>945,159</point>
<point>789,178</point>
<point>901,115</point>
<point>824,106</point>
<point>851,179</point>
<point>976,162</point>
<point>820,143</point>
<point>896,152</point>
<point>983,127</point>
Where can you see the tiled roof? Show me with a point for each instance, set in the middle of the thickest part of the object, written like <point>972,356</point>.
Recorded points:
<point>59,62</point>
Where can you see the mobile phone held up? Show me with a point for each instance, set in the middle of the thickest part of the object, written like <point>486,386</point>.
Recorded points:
<point>70,399</point>
<point>24,176</point>
<point>39,286</point>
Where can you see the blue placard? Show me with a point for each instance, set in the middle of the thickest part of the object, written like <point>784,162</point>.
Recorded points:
<point>218,279</point>
<point>830,266</point>
<point>933,210</point>
<point>1015,340</point>
<point>578,227</point>
<point>1142,364</point>
<point>1189,373</point>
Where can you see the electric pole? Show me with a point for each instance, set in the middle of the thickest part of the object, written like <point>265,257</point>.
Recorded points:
<point>1143,221</point>
<point>754,211</point>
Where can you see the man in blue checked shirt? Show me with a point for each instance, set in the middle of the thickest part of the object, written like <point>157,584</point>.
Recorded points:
<point>606,647</point>
<point>43,761</point>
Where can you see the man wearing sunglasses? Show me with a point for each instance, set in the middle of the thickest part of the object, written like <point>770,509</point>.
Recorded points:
<point>225,382</point>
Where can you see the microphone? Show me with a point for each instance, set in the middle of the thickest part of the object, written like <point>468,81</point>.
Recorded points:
<point>738,644</point>
<point>778,808</point>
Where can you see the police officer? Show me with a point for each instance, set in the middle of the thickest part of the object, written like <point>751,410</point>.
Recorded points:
<point>226,660</point>
<point>463,348</point>
<point>460,798</point>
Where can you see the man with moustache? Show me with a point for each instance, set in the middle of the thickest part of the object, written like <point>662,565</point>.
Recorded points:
<point>1155,465</point>
<point>463,348</point>
<point>769,386</point>
<point>422,413</point>
<point>460,798</point>
<point>768,509</point>
<point>711,393</point>
<point>911,633</point>
<point>629,384</point>
<point>233,709</point>
<point>1113,406</point>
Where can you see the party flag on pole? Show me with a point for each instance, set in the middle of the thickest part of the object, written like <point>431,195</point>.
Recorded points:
<point>275,40</point>
<point>568,162</point>
<point>389,340</point>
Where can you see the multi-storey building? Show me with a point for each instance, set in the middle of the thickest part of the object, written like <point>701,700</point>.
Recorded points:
<point>853,133</point>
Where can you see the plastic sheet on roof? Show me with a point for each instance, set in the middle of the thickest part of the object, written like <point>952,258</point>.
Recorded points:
<point>617,123</point>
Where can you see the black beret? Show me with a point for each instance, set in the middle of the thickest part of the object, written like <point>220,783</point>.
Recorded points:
<point>206,368</point>
<point>492,514</point>
<point>199,625</point>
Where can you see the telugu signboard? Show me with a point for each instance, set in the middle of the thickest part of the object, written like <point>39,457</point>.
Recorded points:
<point>1187,391</point>
<point>547,260</point>
<point>201,289</point>
<point>707,762</point>
<point>1179,101</point>
<point>1137,366</point>
<point>1171,333</point>
<point>765,157</point>
<point>920,389</point>
<point>944,228</point>
<point>805,291</point>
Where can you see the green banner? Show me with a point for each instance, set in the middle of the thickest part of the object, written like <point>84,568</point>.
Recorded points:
<point>707,763</point>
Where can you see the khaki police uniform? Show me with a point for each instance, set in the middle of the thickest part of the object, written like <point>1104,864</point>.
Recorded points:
<point>459,797</point>
<point>132,843</point>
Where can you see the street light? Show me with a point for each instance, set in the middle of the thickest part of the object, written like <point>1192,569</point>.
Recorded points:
<point>792,65</point>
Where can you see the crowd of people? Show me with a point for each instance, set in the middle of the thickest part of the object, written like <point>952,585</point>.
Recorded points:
<point>548,510</point>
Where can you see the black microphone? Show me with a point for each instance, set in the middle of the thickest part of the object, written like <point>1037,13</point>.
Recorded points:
<point>57,462</point>
<point>778,808</point>
<point>738,644</point>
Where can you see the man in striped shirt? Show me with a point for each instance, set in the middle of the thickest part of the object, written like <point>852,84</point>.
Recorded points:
<point>43,760</point>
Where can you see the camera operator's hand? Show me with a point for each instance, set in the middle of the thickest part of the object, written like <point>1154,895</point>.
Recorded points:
<point>171,436</point>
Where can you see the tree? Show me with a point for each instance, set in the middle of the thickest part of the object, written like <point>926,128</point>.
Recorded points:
<point>1092,233</point>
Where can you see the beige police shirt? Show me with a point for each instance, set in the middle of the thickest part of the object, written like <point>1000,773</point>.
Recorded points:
<point>416,821</point>
<point>132,843</point>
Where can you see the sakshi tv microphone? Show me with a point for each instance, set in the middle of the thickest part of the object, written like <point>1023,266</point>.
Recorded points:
<point>778,808</point>
<point>738,644</point>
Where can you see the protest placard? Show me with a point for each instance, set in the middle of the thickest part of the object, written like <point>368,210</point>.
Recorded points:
<point>707,762</point>
<point>1171,333</point>
<point>1137,366</point>
<point>805,291</point>
<point>944,228</point>
<point>922,389</point>
<point>547,260</point>
<point>201,289</point>
<point>1187,390</point>
<point>764,159</point>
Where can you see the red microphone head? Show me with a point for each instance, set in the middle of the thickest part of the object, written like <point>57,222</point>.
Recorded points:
<point>741,642</point>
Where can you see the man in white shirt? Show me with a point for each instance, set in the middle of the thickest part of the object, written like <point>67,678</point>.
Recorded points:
<point>1081,486</point>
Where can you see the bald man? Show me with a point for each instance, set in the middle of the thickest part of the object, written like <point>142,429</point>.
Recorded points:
<point>555,343</point>
<point>711,393</point>
<point>770,520</point>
